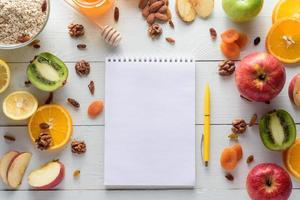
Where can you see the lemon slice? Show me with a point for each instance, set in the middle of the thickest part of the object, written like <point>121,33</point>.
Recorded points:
<point>4,76</point>
<point>19,105</point>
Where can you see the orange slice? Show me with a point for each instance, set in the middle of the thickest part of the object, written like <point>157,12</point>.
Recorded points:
<point>286,8</point>
<point>283,40</point>
<point>59,121</point>
<point>291,159</point>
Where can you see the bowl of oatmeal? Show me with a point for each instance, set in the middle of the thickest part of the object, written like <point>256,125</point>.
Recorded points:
<point>21,21</point>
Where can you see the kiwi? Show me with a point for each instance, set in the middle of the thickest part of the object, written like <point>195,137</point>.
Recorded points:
<point>47,72</point>
<point>277,130</point>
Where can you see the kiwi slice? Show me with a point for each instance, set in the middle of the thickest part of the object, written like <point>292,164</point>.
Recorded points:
<point>277,130</point>
<point>47,72</point>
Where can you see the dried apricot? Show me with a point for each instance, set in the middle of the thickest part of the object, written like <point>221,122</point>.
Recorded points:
<point>95,108</point>
<point>230,35</point>
<point>239,151</point>
<point>243,40</point>
<point>229,159</point>
<point>231,51</point>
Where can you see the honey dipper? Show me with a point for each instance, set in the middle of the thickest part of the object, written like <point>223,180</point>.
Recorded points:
<point>110,35</point>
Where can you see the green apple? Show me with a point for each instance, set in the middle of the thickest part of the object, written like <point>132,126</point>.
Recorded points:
<point>242,10</point>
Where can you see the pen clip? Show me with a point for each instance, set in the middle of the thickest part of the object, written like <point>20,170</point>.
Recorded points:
<point>201,146</point>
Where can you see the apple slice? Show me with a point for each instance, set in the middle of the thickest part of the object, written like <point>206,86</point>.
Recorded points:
<point>294,90</point>
<point>203,8</point>
<point>5,162</point>
<point>17,169</point>
<point>47,176</point>
<point>185,10</point>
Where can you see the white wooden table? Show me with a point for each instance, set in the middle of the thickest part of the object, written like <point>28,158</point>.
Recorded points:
<point>193,39</point>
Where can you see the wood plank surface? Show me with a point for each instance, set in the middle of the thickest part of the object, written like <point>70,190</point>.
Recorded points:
<point>191,40</point>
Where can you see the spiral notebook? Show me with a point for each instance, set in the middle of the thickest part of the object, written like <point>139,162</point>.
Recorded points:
<point>149,123</point>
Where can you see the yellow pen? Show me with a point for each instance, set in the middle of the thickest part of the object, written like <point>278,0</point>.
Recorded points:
<point>206,125</point>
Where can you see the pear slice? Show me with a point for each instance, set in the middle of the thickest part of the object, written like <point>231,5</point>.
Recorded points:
<point>185,10</point>
<point>203,8</point>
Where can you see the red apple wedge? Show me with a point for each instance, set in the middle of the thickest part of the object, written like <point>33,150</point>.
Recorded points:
<point>17,168</point>
<point>5,162</point>
<point>294,90</point>
<point>47,176</point>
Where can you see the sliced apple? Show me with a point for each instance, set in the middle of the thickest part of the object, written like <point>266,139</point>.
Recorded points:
<point>17,168</point>
<point>185,10</point>
<point>294,90</point>
<point>48,176</point>
<point>4,164</point>
<point>203,8</point>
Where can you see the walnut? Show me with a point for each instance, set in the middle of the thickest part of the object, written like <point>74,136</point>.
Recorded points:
<point>82,68</point>
<point>44,140</point>
<point>226,68</point>
<point>78,147</point>
<point>239,126</point>
<point>154,30</point>
<point>76,30</point>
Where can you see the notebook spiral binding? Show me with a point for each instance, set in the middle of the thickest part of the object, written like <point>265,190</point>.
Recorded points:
<point>150,59</point>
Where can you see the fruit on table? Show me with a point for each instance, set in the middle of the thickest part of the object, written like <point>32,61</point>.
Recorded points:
<point>4,164</point>
<point>260,77</point>
<point>19,105</point>
<point>242,10</point>
<point>4,76</point>
<point>283,40</point>
<point>185,10</point>
<point>268,181</point>
<point>294,90</point>
<point>277,130</point>
<point>17,168</point>
<point>95,108</point>
<point>286,9</point>
<point>59,124</point>
<point>47,72</point>
<point>239,151</point>
<point>232,43</point>
<point>291,159</point>
<point>230,157</point>
<point>203,8</point>
<point>48,176</point>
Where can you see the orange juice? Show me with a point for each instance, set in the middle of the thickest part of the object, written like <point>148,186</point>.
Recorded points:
<point>94,7</point>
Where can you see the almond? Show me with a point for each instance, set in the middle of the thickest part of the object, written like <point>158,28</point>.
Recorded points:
<point>151,18</point>
<point>163,9</point>
<point>156,6</point>
<point>153,1</point>
<point>143,4</point>
<point>146,12</point>
<point>161,17</point>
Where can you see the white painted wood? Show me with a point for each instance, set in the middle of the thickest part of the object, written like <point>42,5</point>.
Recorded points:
<point>91,164</point>
<point>226,102</point>
<point>191,39</point>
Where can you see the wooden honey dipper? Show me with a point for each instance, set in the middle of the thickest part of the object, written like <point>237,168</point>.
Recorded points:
<point>110,35</point>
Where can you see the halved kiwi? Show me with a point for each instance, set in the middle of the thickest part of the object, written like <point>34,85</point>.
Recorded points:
<point>277,130</point>
<point>47,72</point>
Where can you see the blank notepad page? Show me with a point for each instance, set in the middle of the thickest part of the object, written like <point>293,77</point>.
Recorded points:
<point>149,123</point>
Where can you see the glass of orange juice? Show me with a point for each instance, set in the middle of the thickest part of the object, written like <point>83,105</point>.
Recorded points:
<point>94,7</point>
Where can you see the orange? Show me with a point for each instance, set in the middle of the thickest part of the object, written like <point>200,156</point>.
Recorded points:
<point>283,40</point>
<point>59,121</point>
<point>286,8</point>
<point>291,159</point>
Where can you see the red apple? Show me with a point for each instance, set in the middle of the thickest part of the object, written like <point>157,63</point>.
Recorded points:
<point>268,181</point>
<point>294,90</point>
<point>260,77</point>
<point>47,176</point>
